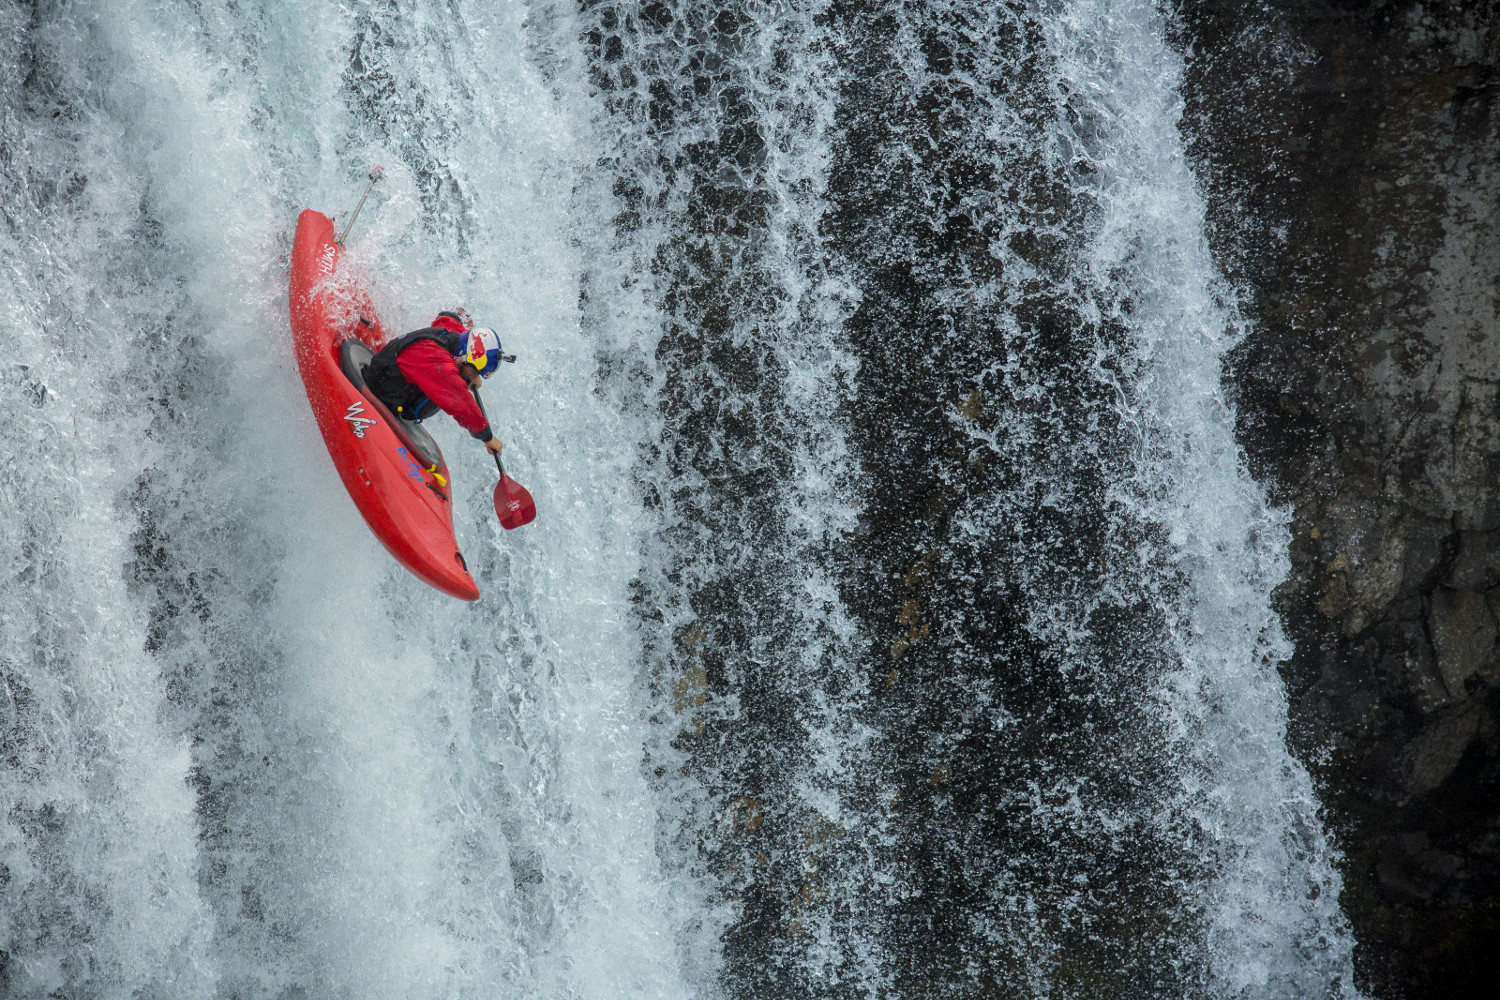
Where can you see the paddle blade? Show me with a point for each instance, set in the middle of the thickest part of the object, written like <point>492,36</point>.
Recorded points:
<point>513,504</point>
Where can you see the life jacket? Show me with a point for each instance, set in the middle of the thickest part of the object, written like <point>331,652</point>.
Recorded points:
<point>385,379</point>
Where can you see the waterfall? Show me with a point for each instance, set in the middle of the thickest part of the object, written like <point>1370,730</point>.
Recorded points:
<point>897,618</point>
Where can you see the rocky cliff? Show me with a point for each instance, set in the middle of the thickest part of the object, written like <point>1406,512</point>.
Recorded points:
<point>1350,155</point>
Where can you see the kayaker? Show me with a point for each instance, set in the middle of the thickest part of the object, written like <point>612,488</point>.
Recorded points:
<point>433,369</point>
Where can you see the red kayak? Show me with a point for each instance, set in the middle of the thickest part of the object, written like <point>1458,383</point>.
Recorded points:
<point>392,469</point>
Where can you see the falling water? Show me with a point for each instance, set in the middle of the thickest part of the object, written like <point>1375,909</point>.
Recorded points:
<point>897,621</point>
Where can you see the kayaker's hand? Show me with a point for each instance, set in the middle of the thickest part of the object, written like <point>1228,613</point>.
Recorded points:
<point>494,444</point>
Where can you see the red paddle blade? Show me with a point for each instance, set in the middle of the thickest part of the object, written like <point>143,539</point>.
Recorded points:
<point>513,504</point>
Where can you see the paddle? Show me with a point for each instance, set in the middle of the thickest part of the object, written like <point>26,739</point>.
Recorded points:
<point>513,505</point>
<point>376,172</point>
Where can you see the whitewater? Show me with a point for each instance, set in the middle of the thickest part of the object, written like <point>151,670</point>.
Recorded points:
<point>667,753</point>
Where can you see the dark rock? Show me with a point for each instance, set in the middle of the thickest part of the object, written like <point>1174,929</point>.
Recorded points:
<point>1411,872</point>
<point>1433,755</point>
<point>1351,153</point>
<point>1463,636</point>
<point>1476,565</point>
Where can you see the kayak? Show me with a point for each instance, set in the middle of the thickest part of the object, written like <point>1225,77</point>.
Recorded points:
<point>392,469</point>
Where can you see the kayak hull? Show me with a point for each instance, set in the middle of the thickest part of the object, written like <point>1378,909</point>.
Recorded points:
<point>407,504</point>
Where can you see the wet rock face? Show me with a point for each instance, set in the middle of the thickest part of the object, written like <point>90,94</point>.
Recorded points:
<point>1350,153</point>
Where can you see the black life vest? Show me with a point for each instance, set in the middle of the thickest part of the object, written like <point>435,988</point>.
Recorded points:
<point>385,379</point>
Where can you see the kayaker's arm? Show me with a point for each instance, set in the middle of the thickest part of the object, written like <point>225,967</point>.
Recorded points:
<point>431,369</point>
<point>490,441</point>
<point>476,382</point>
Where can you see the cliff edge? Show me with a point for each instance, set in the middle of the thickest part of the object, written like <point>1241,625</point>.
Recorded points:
<point>1349,152</point>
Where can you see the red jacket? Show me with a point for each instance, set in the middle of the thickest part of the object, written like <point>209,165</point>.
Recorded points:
<point>427,366</point>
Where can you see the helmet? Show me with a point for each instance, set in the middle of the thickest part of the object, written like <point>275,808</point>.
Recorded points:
<point>480,347</point>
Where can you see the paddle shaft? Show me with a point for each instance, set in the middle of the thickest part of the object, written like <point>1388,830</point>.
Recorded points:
<point>375,175</point>
<point>494,455</point>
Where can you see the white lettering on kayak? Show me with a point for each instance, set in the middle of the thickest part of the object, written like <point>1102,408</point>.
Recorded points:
<point>326,262</point>
<point>357,421</point>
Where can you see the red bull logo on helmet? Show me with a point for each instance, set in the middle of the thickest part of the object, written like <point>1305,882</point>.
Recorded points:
<point>481,348</point>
